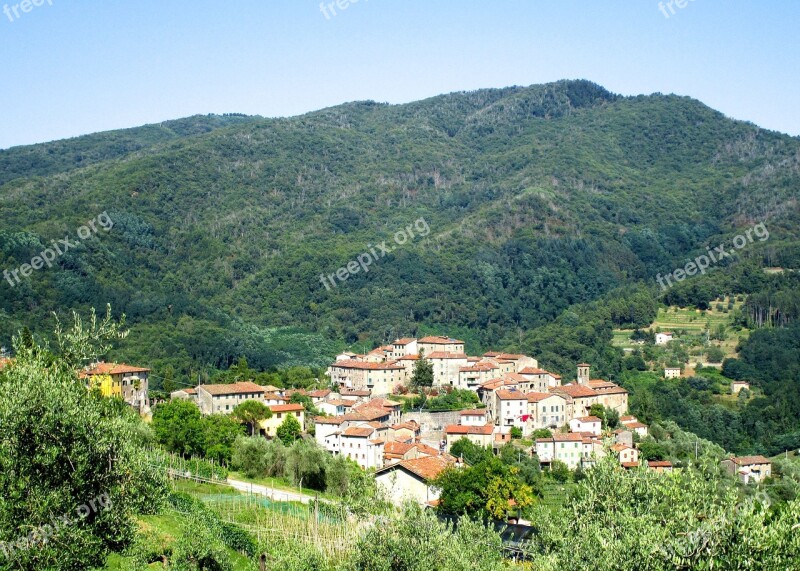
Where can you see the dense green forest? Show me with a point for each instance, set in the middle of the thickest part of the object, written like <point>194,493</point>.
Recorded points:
<point>551,209</point>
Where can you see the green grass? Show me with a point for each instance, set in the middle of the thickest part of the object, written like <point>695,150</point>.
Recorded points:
<point>281,484</point>
<point>169,526</point>
<point>694,323</point>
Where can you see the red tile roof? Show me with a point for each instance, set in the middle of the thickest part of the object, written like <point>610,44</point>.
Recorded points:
<point>440,340</point>
<point>533,371</point>
<point>114,369</point>
<point>446,355</point>
<point>233,389</point>
<point>589,419</point>
<point>426,468</point>
<point>575,391</point>
<point>511,395</point>
<point>358,432</point>
<point>536,397</point>
<point>474,412</point>
<point>286,407</point>
<point>748,460</point>
<point>397,449</point>
<point>461,429</point>
<point>404,341</point>
<point>389,365</point>
<point>659,464</point>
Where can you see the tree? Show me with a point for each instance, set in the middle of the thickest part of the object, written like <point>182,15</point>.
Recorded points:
<point>470,452</point>
<point>289,430</point>
<point>305,400</point>
<point>516,432</point>
<point>418,540</point>
<point>250,456</point>
<point>306,464</point>
<point>484,489</point>
<point>423,372</point>
<point>251,412</point>
<point>715,354</point>
<point>178,427</point>
<point>220,432</point>
<point>72,463</point>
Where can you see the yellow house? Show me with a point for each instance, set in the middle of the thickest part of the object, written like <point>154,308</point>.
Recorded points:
<point>269,426</point>
<point>107,386</point>
<point>118,379</point>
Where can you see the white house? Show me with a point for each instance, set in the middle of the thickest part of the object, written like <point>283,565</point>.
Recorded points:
<point>566,448</point>
<point>663,338</point>
<point>586,424</point>
<point>411,479</point>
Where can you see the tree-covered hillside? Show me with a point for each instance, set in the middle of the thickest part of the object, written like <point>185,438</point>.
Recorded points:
<point>536,199</point>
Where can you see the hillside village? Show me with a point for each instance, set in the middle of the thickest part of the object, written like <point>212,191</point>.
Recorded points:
<point>361,414</point>
<point>358,419</point>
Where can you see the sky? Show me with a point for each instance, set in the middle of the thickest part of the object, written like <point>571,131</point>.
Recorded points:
<point>70,67</point>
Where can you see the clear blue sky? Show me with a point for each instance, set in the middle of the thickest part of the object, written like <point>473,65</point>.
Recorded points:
<point>72,67</point>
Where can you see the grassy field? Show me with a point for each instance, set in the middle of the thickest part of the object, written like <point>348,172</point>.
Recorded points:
<point>168,526</point>
<point>691,324</point>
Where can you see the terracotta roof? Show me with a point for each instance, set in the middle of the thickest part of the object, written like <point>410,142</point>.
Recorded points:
<point>606,388</point>
<point>425,449</point>
<point>356,393</point>
<point>358,431</point>
<point>364,412</point>
<point>404,341</point>
<point>659,464</point>
<point>386,403</point>
<point>477,368</point>
<point>286,407</point>
<point>4,361</point>
<point>322,393</point>
<point>389,365</point>
<point>516,377</point>
<point>536,397</point>
<point>474,412</point>
<point>426,468</point>
<point>495,383</point>
<point>413,357</point>
<point>233,389</point>
<point>559,437</point>
<point>620,447</point>
<point>461,429</point>
<point>575,391</point>
<point>589,419</point>
<point>584,365</point>
<point>511,356</point>
<point>187,391</point>
<point>397,448</point>
<point>440,340</point>
<point>329,419</point>
<point>533,371</point>
<point>630,464</point>
<point>635,425</point>
<point>748,460</point>
<point>492,354</point>
<point>114,369</point>
<point>511,395</point>
<point>446,355</point>
<point>628,418</point>
<point>410,425</point>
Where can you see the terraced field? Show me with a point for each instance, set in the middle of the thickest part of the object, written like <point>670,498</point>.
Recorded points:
<point>694,323</point>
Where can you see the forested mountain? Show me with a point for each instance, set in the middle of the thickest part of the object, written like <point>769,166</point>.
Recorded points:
<point>538,199</point>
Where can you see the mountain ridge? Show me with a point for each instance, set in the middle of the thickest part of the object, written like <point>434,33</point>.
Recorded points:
<point>537,197</point>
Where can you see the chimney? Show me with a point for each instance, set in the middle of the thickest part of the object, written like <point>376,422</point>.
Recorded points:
<point>583,374</point>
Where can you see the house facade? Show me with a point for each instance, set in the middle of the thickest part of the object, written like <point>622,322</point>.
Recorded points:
<point>222,399</point>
